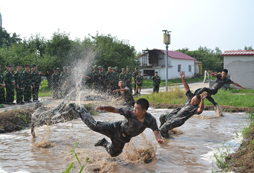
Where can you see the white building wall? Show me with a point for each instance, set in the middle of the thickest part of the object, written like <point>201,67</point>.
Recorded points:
<point>241,70</point>
<point>184,67</point>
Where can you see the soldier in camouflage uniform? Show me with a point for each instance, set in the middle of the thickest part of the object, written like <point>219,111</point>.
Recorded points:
<point>103,78</point>
<point>156,82</point>
<point>18,76</point>
<point>10,83</point>
<point>55,83</point>
<point>134,75</point>
<point>125,94</point>
<point>122,76</point>
<point>2,86</point>
<point>178,116</point>
<point>121,132</point>
<point>115,80</point>
<point>36,81</point>
<point>139,82</point>
<point>109,81</point>
<point>27,81</point>
<point>128,78</point>
<point>96,78</point>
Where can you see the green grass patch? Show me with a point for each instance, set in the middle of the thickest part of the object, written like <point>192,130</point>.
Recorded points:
<point>223,97</point>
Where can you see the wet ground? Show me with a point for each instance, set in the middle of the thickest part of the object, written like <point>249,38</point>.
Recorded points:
<point>191,151</point>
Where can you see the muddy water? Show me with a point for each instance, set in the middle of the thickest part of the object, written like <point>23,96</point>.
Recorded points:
<point>187,152</point>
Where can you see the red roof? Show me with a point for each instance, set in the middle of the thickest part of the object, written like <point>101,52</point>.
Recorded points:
<point>174,54</point>
<point>238,52</point>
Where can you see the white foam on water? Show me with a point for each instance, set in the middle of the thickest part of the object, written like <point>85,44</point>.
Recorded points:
<point>226,147</point>
<point>4,136</point>
<point>2,171</point>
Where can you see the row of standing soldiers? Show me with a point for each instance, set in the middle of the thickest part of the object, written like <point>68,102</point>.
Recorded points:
<point>21,81</point>
<point>107,81</point>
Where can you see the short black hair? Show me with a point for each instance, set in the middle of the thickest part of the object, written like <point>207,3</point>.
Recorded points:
<point>27,65</point>
<point>225,70</point>
<point>143,103</point>
<point>198,96</point>
<point>34,65</point>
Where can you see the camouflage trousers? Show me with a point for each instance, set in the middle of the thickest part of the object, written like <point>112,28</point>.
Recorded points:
<point>2,92</point>
<point>209,93</point>
<point>35,93</point>
<point>9,93</point>
<point>19,95</point>
<point>111,130</point>
<point>170,121</point>
<point>27,93</point>
<point>156,88</point>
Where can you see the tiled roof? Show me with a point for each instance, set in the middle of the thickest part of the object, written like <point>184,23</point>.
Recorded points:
<point>238,52</point>
<point>174,54</point>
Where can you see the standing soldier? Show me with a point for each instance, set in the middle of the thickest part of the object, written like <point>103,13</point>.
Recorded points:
<point>27,80</point>
<point>18,76</point>
<point>55,83</point>
<point>156,82</point>
<point>10,83</point>
<point>103,78</point>
<point>95,77</point>
<point>122,76</point>
<point>36,81</point>
<point>128,78</point>
<point>139,82</point>
<point>109,81</point>
<point>134,75</point>
<point>2,86</point>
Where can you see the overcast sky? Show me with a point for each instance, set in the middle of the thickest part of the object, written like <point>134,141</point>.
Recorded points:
<point>227,24</point>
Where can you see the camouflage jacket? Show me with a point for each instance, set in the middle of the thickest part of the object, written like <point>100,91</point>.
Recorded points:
<point>36,78</point>
<point>63,77</point>
<point>8,79</point>
<point>109,77</point>
<point>1,78</point>
<point>156,80</point>
<point>135,74</point>
<point>115,78</point>
<point>128,75</point>
<point>18,76</point>
<point>123,77</point>
<point>27,78</point>
<point>96,76</point>
<point>139,79</point>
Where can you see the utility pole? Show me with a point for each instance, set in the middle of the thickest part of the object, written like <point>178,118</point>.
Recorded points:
<point>166,41</point>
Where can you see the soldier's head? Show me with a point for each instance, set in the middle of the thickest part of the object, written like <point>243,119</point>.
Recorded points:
<point>103,69</point>
<point>116,69</point>
<point>156,73</point>
<point>109,69</point>
<point>99,67</point>
<point>55,70</point>
<point>35,67</point>
<point>140,107</point>
<point>139,73</point>
<point>27,67</point>
<point>224,73</point>
<point>19,67</point>
<point>7,67</point>
<point>95,67</point>
<point>123,70</point>
<point>10,68</point>
<point>136,69</point>
<point>113,69</point>
<point>121,83</point>
<point>127,68</point>
<point>58,70</point>
<point>195,100</point>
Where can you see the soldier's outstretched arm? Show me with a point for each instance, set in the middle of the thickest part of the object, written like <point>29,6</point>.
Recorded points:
<point>107,108</point>
<point>201,107</point>
<point>236,84</point>
<point>186,86</point>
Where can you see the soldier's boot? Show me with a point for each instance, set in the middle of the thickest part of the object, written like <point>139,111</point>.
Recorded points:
<point>103,142</point>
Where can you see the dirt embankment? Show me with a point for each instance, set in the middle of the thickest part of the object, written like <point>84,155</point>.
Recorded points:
<point>242,160</point>
<point>207,107</point>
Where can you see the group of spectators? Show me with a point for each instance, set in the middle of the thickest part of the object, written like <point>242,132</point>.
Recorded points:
<point>26,83</point>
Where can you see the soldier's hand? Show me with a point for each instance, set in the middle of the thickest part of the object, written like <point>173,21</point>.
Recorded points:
<point>33,85</point>
<point>115,91</point>
<point>161,141</point>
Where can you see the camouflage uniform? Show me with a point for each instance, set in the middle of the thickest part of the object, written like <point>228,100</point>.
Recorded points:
<point>128,98</point>
<point>27,81</point>
<point>128,83</point>
<point>2,92</point>
<point>134,75</point>
<point>139,79</point>
<point>120,132</point>
<point>8,79</point>
<point>109,82</point>
<point>96,82</point>
<point>178,116</point>
<point>36,80</point>
<point>55,82</point>
<point>115,81</point>
<point>18,76</point>
<point>156,83</point>
<point>123,77</point>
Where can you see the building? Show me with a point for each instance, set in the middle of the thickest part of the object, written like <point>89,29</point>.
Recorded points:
<point>240,65</point>
<point>154,60</point>
<point>0,19</point>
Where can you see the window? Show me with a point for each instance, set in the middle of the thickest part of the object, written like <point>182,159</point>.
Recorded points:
<point>189,68</point>
<point>148,72</point>
<point>179,68</point>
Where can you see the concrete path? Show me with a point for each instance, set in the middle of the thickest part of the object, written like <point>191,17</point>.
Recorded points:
<point>193,87</point>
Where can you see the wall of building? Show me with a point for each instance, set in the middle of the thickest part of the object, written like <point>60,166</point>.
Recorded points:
<point>184,67</point>
<point>241,70</point>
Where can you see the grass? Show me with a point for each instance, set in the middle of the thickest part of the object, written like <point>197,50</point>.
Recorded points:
<point>223,97</point>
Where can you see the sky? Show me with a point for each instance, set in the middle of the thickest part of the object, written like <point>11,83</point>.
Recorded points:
<point>227,24</point>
